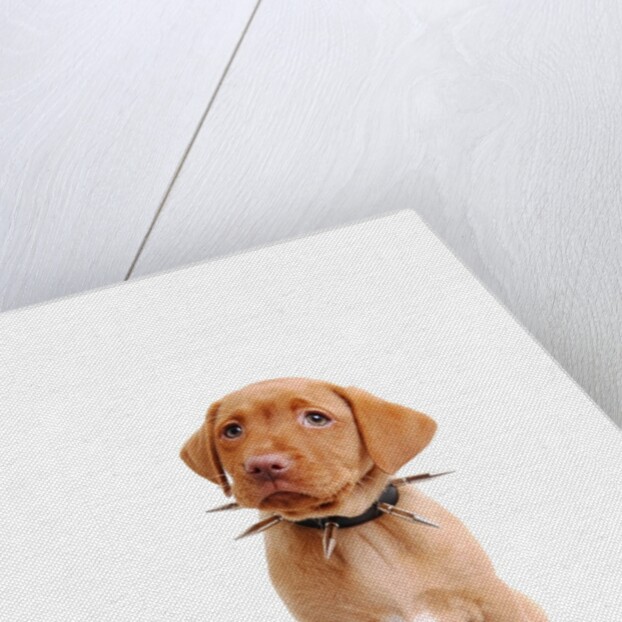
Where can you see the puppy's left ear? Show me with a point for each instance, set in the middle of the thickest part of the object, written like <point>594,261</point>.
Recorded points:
<point>392,434</point>
<point>199,453</point>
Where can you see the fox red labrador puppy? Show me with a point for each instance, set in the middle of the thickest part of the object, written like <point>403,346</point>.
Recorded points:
<point>318,458</point>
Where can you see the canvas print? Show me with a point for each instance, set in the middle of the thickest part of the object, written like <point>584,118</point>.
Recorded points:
<point>346,541</point>
<point>341,428</point>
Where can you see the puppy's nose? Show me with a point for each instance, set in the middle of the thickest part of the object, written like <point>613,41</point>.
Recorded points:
<point>268,466</point>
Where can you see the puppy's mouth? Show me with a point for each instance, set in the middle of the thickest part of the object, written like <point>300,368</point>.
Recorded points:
<point>294,497</point>
<point>281,494</point>
<point>293,500</point>
<point>283,498</point>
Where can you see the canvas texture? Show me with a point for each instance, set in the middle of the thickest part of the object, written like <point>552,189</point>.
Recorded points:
<point>102,520</point>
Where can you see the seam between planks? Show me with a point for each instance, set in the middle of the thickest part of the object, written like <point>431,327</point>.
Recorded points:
<point>184,157</point>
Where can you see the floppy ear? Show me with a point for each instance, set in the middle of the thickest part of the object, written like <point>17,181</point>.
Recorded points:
<point>200,454</point>
<point>392,434</point>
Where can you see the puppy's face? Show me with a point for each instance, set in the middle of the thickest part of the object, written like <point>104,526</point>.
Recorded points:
<point>305,448</point>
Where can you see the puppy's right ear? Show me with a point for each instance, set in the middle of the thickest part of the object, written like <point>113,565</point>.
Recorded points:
<point>392,434</point>
<point>199,452</point>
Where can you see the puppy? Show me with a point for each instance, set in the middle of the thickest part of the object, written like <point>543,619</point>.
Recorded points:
<point>306,450</point>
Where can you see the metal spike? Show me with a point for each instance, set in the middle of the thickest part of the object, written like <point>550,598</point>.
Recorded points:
<point>227,506</point>
<point>403,481</point>
<point>262,525</point>
<point>387,508</point>
<point>329,539</point>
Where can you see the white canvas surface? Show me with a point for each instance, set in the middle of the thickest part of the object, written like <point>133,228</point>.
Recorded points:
<point>101,520</point>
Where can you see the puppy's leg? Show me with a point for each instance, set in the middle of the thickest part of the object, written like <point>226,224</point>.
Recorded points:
<point>428,616</point>
<point>446,606</point>
<point>514,608</point>
<point>533,613</point>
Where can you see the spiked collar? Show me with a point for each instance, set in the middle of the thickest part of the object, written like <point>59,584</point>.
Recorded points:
<point>389,495</point>
<point>385,504</point>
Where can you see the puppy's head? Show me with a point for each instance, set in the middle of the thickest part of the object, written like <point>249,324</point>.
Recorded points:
<point>305,448</point>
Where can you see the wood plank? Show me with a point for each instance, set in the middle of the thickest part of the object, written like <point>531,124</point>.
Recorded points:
<point>98,103</point>
<point>500,124</point>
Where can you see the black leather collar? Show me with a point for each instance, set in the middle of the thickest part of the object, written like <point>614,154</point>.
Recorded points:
<point>389,495</point>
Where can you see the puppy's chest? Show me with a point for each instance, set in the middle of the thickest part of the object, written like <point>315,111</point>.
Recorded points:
<point>369,567</point>
<point>382,564</point>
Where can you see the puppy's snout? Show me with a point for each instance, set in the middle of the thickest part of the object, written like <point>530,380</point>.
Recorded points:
<point>268,466</point>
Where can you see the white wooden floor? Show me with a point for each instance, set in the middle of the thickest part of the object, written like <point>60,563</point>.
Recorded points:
<point>137,137</point>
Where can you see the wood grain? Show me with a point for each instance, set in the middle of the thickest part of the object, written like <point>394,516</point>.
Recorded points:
<point>98,102</point>
<point>499,122</point>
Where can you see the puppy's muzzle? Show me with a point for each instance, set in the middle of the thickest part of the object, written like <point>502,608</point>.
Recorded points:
<point>267,467</point>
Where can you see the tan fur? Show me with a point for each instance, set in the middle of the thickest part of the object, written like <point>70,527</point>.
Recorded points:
<point>383,570</point>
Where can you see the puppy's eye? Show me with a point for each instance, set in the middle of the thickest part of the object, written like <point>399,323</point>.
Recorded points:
<point>233,430</point>
<point>316,419</point>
